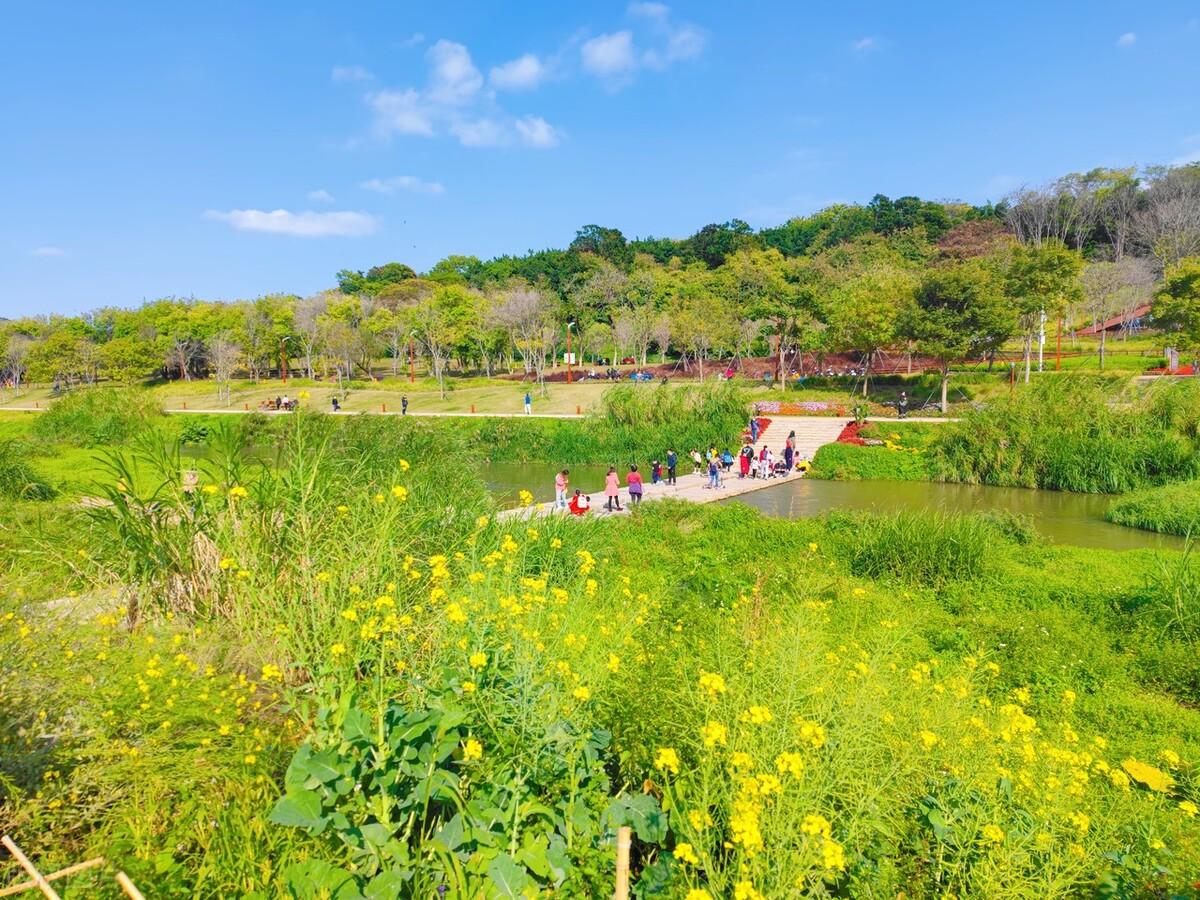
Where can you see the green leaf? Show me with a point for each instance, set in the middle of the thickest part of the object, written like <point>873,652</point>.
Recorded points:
<point>299,809</point>
<point>532,854</point>
<point>318,879</point>
<point>643,813</point>
<point>357,727</point>
<point>509,879</point>
<point>451,835</point>
<point>388,885</point>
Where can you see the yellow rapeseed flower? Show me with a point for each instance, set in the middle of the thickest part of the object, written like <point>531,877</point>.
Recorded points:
<point>756,715</point>
<point>714,733</point>
<point>468,687</point>
<point>667,760</point>
<point>685,854</point>
<point>1187,807</point>
<point>993,833</point>
<point>1148,775</point>
<point>789,764</point>
<point>698,894</point>
<point>582,693</point>
<point>337,650</point>
<point>712,684</point>
<point>929,739</point>
<point>472,749</point>
<point>744,890</point>
<point>478,660</point>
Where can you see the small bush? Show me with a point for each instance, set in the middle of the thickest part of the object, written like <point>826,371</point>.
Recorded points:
<point>95,416</point>
<point>1169,509</point>
<point>918,547</point>
<point>18,481</point>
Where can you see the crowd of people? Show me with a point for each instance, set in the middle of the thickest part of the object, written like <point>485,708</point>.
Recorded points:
<point>752,461</point>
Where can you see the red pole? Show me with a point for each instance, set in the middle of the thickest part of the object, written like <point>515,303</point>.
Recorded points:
<point>411,365</point>
<point>568,354</point>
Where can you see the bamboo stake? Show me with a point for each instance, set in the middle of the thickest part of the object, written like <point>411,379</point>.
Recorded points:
<point>624,839</point>
<point>129,887</point>
<point>53,876</point>
<point>38,880</point>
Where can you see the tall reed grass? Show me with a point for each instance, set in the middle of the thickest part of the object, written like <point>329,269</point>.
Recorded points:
<point>95,417</point>
<point>1069,434</point>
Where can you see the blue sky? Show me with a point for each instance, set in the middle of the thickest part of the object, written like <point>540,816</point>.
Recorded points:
<point>229,149</point>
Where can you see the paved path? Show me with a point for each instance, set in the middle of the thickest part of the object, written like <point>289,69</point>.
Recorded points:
<point>692,488</point>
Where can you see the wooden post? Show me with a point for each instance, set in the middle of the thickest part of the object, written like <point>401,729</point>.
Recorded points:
<point>624,840</point>
<point>39,880</point>
<point>185,404</point>
<point>246,406</point>
<point>23,886</point>
<point>578,411</point>
<point>129,887</point>
<point>472,409</point>
<point>383,407</point>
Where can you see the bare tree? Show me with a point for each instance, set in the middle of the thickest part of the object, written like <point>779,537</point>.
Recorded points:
<point>526,314</point>
<point>16,352</point>
<point>1066,209</point>
<point>661,331</point>
<point>307,325</point>
<point>1118,199</point>
<point>1115,289</point>
<point>224,355</point>
<point>748,331</point>
<point>1168,225</point>
<point>624,332</point>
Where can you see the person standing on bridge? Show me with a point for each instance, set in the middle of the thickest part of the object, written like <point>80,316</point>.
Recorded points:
<point>528,404</point>
<point>561,481</point>
<point>634,481</point>
<point>744,457</point>
<point>789,450</point>
<point>754,429</point>
<point>612,490</point>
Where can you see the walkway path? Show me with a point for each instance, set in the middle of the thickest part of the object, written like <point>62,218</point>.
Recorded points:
<point>692,488</point>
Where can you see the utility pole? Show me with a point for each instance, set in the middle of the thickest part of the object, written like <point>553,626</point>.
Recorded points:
<point>1041,340</point>
<point>569,324</point>
<point>412,370</point>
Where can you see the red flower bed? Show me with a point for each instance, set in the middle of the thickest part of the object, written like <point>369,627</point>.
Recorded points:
<point>849,435</point>
<point>763,422</point>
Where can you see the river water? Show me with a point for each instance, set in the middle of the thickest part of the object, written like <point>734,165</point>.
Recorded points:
<point>1064,518</point>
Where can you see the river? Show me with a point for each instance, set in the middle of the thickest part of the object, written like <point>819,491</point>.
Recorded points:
<point>1062,517</point>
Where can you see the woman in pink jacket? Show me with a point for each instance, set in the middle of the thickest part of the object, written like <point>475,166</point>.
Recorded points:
<point>612,490</point>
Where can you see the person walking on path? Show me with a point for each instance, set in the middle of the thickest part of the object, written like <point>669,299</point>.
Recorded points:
<point>697,462</point>
<point>528,404</point>
<point>902,406</point>
<point>744,458</point>
<point>672,461</point>
<point>634,481</point>
<point>714,473</point>
<point>612,490</point>
<point>404,405</point>
<point>561,482</point>
<point>754,429</point>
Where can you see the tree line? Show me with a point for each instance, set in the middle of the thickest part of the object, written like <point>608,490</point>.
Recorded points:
<point>946,279</point>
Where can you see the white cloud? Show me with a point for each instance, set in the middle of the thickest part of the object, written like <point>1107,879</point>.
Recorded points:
<point>49,251</point>
<point>1128,39</point>
<point>656,11</point>
<point>453,78</point>
<point>616,56</point>
<point>343,74</point>
<point>298,224</point>
<point>481,132</point>
<point>520,74</point>
<point>535,131</point>
<point>609,54</point>
<point>320,195</point>
<point>402,112</point>
<point>865,43</point>
<point>454,102</point>
<point>402,183</point>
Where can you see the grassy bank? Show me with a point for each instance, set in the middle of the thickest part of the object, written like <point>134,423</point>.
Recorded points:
<point>901,454</point>
<point>1168,509</point>
<point>846,706</point>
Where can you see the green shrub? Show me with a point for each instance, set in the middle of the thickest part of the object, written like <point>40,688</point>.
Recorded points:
<point>914,546</point>
<point>92,417</point>
<point>18,480</point>
<point>1065,434</point>
<point>1168,509</point>
<point>851,462</point>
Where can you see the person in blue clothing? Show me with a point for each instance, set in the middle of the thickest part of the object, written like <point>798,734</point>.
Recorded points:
<point>714,473</point>
<point>754,429</point>
<point>404,406</point>
<point>672,460</point>
<point>528,403</point>
<point>726,460</point>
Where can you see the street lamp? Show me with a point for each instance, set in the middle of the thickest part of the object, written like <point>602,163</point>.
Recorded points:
<point>569,324</point>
